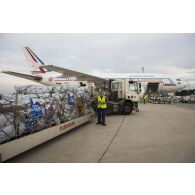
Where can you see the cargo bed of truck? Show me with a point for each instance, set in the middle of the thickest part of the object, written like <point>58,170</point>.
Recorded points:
<point>20,145</point>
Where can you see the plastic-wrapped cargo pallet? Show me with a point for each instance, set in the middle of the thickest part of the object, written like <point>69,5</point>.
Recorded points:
<point>34,108</point>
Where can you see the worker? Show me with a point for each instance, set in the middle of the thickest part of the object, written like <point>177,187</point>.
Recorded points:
<point>145,98</point>
<point>101,108</point>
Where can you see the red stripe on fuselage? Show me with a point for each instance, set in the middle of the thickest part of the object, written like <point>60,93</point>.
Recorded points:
<point>159,82</point>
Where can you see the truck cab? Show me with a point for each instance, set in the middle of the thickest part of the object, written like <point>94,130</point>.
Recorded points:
<point>126,89</point>
<point>124,96</point>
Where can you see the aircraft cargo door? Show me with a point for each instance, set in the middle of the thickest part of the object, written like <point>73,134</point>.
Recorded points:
<point>152,87</point>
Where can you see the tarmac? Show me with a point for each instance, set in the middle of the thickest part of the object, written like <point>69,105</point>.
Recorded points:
<point>159,133</point>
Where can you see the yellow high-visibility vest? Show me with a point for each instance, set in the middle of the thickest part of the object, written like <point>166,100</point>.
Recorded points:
<point>102,102</point>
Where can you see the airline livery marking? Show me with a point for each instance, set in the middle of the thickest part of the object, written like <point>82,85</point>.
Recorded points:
<point>50,79</point>
<point>41,69</point>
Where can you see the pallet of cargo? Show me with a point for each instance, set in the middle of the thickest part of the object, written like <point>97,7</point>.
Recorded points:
<point>20,145</point>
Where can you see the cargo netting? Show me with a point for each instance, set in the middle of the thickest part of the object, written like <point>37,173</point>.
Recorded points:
<point>34,108</point>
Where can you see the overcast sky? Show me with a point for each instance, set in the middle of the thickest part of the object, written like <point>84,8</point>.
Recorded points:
<point>172,54</point>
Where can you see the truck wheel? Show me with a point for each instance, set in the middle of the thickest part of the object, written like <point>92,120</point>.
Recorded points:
<point>127,108</point>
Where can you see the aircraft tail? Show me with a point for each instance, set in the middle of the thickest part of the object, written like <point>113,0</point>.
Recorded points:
<point>34,61</point>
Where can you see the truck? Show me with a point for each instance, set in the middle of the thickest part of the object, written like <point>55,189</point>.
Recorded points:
<point>122,96</point>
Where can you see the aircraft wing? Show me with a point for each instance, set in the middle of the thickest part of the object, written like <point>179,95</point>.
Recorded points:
<point>25,76</point>
<point>79,75</point>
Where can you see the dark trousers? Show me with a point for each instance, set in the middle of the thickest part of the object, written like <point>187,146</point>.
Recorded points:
<point>101,115</point>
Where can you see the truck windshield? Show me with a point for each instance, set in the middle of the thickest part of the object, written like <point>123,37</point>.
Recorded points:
<point>133,86</point>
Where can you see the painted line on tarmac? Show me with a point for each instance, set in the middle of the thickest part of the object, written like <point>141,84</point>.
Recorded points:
<point>111,140</point>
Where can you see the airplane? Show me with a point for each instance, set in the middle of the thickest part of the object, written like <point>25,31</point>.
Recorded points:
<point>54,75</point>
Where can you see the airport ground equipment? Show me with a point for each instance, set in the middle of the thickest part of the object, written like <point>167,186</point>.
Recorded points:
<point>190,99</point>
<point>160,99</point>
<point>122,96</point>
<point>18,146</point>
<point>40,111</point>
